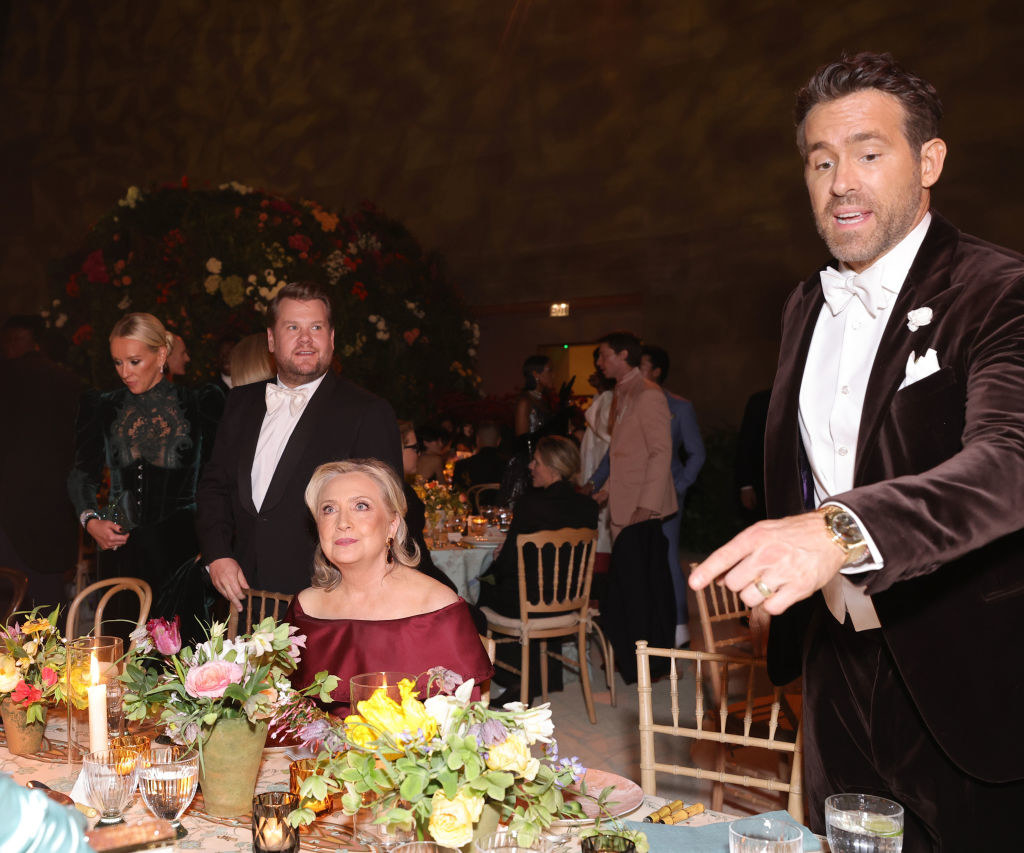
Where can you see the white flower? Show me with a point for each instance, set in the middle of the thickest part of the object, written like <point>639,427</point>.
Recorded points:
<point>131,197</point>
<point>261,642</point>
<point>241,189</point>
<point>918,317</point>
<point>373,318</point>
<point>536,722</point>
<point>383,336</point>
<point>141,639</point>
<point>214,266</point>
<point>61,320</point>
<point>252,279</point>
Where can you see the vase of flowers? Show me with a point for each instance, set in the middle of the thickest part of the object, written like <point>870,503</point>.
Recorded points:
<point>218,697</point>
<point>443,766</point>
<point>31,667</point>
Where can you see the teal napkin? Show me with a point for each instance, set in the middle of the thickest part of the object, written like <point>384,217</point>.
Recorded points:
<point>713,838</point>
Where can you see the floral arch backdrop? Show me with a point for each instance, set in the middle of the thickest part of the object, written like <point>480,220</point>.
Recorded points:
<point>208,262</point>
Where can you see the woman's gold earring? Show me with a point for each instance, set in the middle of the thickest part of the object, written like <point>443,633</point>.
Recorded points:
<point>389,556</point>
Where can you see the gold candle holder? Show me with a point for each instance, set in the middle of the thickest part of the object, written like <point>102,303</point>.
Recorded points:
<point>297,772</point>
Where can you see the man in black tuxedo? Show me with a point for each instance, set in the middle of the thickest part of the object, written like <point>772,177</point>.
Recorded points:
<point>484,466</point>
<point>898,413</point>
<point>254,528</point>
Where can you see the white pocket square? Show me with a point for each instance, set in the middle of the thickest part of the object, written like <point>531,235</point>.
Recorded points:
<point>920,367</point>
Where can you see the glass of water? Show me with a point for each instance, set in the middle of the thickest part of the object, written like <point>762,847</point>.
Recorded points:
<point>168,779</point>
<point>110,778</point>
<point>765,835</point>
<point>861,823</point>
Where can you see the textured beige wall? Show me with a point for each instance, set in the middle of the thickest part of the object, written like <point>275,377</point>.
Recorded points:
<point>550,150</point>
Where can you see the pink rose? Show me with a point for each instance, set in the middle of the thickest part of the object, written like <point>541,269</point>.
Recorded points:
<point>49,676</point>
<point>166,635</point>
<point>210,680</point>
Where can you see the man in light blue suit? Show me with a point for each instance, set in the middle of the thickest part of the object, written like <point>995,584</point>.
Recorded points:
<point>687,460</point>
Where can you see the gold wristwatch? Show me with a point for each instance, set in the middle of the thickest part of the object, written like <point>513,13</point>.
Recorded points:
<point>844,531</point>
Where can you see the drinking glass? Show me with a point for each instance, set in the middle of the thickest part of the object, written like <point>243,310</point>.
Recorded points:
<point>504,840</point>
<point>361,687</point>
<point>168,782</point>
<point>270,827</point>
<point>422,847</point>
<point>861,823</point>
<point>765,835</point>
<point>110,778</point>
<point>612,843</point>
<point>478,525</point>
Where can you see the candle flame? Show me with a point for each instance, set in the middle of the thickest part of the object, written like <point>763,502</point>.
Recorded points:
<point>94,670</point>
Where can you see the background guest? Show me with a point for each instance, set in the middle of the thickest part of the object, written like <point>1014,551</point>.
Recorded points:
<point>594,448</point>
<point>368,609</point>
<point>486,465</point>
<point>433,453</point>
<point>687,460</point>
<point>153,438</point>
<point>177,361</point>
<point>251,361</point>
<point>37,447</point>
<point>533,409</point>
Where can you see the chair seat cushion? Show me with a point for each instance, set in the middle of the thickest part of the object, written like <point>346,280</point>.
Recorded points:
<point>563,620</point>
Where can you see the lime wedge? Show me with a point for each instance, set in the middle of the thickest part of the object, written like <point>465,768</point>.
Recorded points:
<point>881,826</point>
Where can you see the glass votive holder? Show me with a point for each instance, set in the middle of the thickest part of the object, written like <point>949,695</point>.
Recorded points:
<point>139,744</point>
<point>478,525</point>
<point>362,687</point>
<point>80,675</point>
<point>302,769</point>
<point>612,843</point>
<point>764,835</point>
<point>270,828</point>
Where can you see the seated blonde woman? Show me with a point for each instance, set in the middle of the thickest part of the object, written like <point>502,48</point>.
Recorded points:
<point>368,608</point>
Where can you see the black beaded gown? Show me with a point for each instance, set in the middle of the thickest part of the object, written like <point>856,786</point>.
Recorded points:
<point>153,446</point>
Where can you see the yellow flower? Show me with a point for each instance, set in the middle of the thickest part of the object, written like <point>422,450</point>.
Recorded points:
<point>451,821</point>
<point>404,723</point>
<point>8,674</point>
<point>36,625</point>
<point>512,755</point>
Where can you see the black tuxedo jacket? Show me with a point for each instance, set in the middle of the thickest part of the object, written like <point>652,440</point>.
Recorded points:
<point>939,484</point>
<point>274,545</point>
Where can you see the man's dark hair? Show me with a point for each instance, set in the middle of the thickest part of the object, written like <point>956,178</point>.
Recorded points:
<point>302,291</point>
<point>488,434</point>
<point>31,323</point>
<point>659,359</point>
<point>879,71</point>
<point>627,341</point>
<point>533,364</point>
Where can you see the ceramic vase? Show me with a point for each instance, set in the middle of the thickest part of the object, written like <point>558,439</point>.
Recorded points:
<point>230,764</point>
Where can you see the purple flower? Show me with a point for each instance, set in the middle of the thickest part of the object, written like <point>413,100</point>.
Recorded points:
<point>574,764</point>
<point>166,635</point>
<point>489,733</point>
<point>447,681</point>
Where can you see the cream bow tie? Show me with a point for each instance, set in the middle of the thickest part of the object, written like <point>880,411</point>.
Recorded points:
<point>839,289</point>
<point>276,395</point>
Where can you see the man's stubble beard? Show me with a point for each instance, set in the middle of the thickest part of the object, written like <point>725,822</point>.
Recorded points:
<point>893,223</point>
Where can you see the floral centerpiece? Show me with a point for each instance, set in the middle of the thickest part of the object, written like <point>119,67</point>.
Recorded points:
<point>193,688</point>
<point>442,764</point>
<point>440,500</point>
<point>31,664</point>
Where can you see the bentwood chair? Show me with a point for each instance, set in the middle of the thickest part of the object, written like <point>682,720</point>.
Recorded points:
<point>724,624</point>
<point>564,569</point>
<point>749,724</point>
<point>112,586</point>
<point>259,604</point>
<point>473,493</point>
<point>17,583</point>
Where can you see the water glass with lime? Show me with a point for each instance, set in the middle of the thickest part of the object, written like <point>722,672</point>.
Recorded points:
<point>861,823</point>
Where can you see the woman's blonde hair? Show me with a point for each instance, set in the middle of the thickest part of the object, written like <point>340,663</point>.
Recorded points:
<point>252,361</point>
<point>560,454</point>
<point>326,575</point>
<point>144,328</point>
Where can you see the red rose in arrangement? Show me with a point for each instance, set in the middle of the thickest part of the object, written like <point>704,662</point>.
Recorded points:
<point>25,694</point>
<point>49,676</point>
<point>300,243</point>
<point>94,268</point>
<point>81,335</point>
<point>359,290</point>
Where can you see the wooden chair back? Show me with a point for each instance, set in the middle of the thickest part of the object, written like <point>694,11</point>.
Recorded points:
<point>724,624</point>
<point>259,604</point>
<point>17,582</point>
<point>473,493</point>
<point>112,586</point>
<point>750,722</point>
<point>564,571</point>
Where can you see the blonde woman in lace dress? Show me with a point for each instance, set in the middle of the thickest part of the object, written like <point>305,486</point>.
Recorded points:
<point>151,438</point>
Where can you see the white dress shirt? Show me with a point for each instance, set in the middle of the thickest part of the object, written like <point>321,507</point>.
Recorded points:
<point>833,388</point>
<point>275,431</point>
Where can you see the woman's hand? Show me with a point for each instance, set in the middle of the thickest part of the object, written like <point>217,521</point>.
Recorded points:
<point>108,535</point>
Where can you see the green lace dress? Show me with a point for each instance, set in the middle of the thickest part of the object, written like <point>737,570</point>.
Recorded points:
<point>152,445</point>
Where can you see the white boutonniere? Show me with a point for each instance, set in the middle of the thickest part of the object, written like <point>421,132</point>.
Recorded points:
<point>918,317</point>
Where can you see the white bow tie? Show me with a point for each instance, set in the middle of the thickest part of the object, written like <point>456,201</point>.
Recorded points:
<point>839,289</point>
<point>276,395</point>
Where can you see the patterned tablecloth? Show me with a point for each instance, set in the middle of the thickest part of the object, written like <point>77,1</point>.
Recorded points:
<point>464,566</point>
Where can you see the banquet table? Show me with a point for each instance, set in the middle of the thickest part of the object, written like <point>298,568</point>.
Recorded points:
<point>464,567</point>
<point>335,831</point>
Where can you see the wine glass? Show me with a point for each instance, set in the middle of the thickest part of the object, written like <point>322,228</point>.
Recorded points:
<point>168,782</point>
<point>110,778</point>
<point>765,835</point>
<point>861,823</point>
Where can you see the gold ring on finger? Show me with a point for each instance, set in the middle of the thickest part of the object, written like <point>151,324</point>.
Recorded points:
<point>763,588</point>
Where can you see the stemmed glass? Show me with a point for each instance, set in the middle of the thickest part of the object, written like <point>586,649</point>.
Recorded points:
<point>110,778</point>
<point>168,783</point>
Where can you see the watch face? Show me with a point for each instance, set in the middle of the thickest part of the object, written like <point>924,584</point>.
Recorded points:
<point>844,526</point>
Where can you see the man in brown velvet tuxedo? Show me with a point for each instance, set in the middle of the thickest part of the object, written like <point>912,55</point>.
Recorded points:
<point>897,419</point>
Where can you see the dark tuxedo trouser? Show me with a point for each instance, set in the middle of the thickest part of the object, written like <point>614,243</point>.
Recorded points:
<point>863,734</point>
